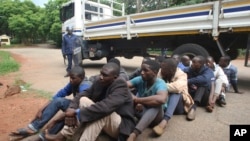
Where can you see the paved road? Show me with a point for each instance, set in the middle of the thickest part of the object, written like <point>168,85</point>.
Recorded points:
<point>47,74</point>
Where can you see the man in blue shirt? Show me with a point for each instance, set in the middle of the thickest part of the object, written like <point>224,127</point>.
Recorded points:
<point>231,71</point>
<point>200,78</point>
<point>76,85</point>
<point>69,42</point>
<point>150,99</point>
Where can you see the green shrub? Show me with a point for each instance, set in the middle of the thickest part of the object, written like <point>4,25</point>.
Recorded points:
<point>15,41</point>
<point>7,63</point>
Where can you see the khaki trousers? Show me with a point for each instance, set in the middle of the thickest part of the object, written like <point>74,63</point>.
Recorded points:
<point>218,86</point>
<point>109,124</point>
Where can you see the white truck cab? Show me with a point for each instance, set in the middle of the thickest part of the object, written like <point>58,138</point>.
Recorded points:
<point>76,13</point>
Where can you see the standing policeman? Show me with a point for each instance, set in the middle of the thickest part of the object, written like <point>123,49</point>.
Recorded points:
<point>68,45</point>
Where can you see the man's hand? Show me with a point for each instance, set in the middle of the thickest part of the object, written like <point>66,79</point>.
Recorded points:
<point>194,87</point>
<point>71,121</point>
<point>70,118</point>
<point>139,107</point>
<point>64,56</point>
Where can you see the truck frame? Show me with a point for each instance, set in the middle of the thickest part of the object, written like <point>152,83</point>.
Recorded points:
<point>215,28</point>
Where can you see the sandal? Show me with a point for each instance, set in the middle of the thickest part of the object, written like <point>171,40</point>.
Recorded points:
<point>22,132</point>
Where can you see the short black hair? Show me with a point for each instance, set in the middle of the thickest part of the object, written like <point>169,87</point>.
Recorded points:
<point>226,58</point>
<point>146,59</point>
<point>116,61</point>
<point>159,58</point>
<point>115,68</point>
<point>78,71</point>
<point>171,63</point>
<point>210,58</point>
<point>154,65</point>
<point>200,59</point>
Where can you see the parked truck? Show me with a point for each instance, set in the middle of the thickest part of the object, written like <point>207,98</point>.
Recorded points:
<point>215,28</point>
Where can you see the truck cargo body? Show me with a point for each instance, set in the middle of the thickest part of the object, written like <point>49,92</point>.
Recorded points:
<point>214,28</point>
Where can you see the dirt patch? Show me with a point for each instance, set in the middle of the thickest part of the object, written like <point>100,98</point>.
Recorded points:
<point>17,110</point>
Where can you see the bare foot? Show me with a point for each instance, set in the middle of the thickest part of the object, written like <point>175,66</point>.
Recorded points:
<point>57,137</point>
<point>132,137</point>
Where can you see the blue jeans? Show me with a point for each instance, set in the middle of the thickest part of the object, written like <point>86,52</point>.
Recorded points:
<point>52,108</point>
<point>175,106</point>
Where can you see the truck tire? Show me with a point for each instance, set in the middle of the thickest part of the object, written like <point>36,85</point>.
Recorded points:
<point>191,50</point>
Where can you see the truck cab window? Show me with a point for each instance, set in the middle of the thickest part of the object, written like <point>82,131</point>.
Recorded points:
<point>87,14</point>
<point>67,12</point>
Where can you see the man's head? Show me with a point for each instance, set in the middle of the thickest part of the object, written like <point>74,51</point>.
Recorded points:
<point>197,63</point>
<point>176,57</point>
<point>185,60</point>
<point>210,62</point>
<point>149,69</point>
<point>168,69</point>
<point>145,59</point>
<point>76,75</point>
<point>159,59</point>
<point>224,61</point>
<point>109,73</point>
<point>116,61</point>
<point>69,30</point>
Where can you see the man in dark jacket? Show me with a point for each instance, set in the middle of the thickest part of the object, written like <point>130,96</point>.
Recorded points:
<point>200,78</point>
<point>106,106</point>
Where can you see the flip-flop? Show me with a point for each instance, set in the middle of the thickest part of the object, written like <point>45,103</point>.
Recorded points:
<point>21,132</point>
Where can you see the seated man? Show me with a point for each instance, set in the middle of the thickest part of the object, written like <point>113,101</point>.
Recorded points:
<point>231,71</point>
<point>200,78</point>
<point>179,100</point>
<point>219,87</point>
<point>150,99</point>
<point>185,62</point>
<point>123,72</point>
<point>59,102</point>
<point>137,72</point>
<point>106,106</point>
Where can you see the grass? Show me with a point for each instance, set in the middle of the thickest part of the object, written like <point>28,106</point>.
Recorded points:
<point>26,88</point>
<point>7,63</point>
<point>41,93</point>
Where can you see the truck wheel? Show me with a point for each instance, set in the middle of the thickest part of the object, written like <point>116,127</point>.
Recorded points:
<point>191,50</point>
